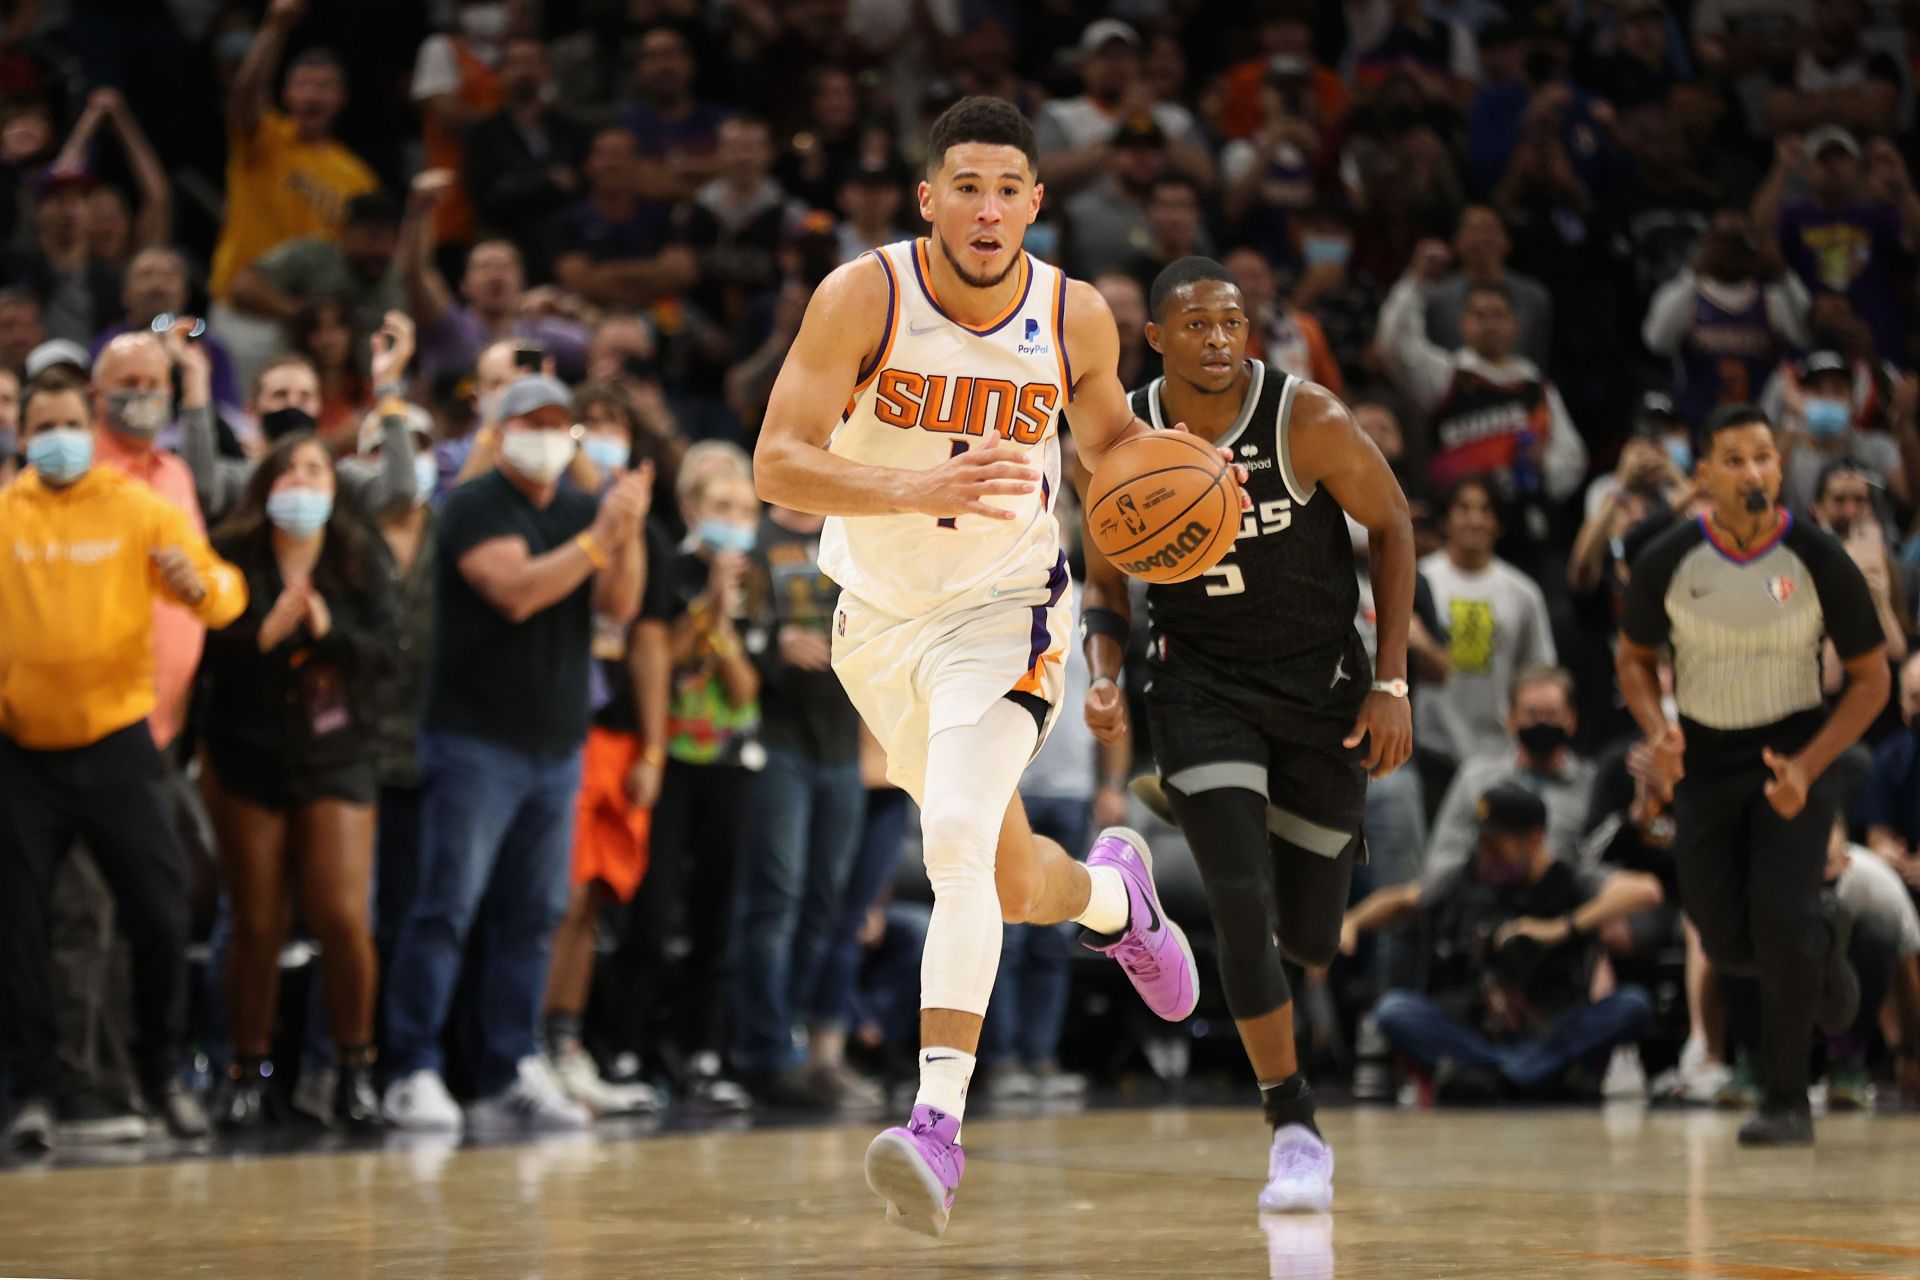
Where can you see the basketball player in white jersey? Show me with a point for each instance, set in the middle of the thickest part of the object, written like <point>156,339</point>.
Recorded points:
<point>918,410</point>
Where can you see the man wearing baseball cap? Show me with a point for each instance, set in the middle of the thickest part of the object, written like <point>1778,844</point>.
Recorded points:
<point>1844,236</point>
<point>1075,134</point>
<point>521,569</point>
<point>1820,424</point>
<point>1506,1013</point>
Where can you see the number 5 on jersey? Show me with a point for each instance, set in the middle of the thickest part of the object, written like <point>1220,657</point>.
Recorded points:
<point>1272,517</point>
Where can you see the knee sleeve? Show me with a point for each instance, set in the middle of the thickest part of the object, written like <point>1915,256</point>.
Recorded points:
<point>1311,895</point>
<point>972,773</point>
<point>1227,830</point>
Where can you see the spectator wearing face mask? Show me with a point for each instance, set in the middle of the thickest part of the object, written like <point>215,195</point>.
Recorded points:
<point>286,401</point>
<point>133,402</point>
<point>1727,319</point>
<point>1341,295</point>
<point>522,566</point>
<point>288,780</point>
<point>621,771</point>
<point>1818,429</point>
<point>90,553</point>
<point>1539,758</point>
<point>685,908</point>
<point>1506,1012</point>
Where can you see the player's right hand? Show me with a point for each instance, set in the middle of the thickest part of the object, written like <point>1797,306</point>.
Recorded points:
<point>1106,710</point>
<point>1669,750</point>
<point>961,485</point>
<point>1238,470</point>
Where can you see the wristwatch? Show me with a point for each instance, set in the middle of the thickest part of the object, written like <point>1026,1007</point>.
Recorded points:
<point>1392,688</point>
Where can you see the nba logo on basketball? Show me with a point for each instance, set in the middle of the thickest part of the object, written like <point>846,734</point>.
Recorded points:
<point>1031,345</point>
<point>1131,514</point>
<point>1780,589</point>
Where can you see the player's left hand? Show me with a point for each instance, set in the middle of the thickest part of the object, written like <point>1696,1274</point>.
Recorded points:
<point>1385,723</point>
<point>1239,471</point>
<point>1787,793</point>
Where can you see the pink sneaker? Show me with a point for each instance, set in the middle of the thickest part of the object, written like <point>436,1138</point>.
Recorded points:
<point>1152,949</point>
<point>916,1170</point>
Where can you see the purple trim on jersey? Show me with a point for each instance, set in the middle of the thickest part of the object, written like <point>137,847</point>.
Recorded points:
<point>1046,493</point>
<point>951,522</point>
<point>1042,638</point>
<point>1060,336</point>
<point>1747,557</point>
<point>934,302</point>
<point>886,334</point>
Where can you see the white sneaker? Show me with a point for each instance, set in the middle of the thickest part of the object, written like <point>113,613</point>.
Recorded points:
<point>1626,1076</point>
<point>1011,1083</point>
<point>313,1096</point>
<point>1704,1082</point>
<point>580,1079</point>
<point>1055,1085</point>
<point>420,1103</point>
<point>532,1103</point>
<point>1299,1172</point>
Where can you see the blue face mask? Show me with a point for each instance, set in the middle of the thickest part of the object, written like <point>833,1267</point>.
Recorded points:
<point>299,513</point>
<point>1681,454</point>
<point>61,454</point>
<point>718,535</point>
<point>426,478</point>
<point>605,452</point>
<point>1326,249</point>
<point>1828,418</point>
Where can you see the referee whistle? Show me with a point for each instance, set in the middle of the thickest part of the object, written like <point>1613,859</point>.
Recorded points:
<point>1756,501</point>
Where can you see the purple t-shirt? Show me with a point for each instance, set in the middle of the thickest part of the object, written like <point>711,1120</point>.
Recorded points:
<point>1855,251</point>
<point>660,138</point>
<point>457,341</point>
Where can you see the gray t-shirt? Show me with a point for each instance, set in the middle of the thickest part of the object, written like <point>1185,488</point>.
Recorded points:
<point>1874,891</point>
<point>1497,626</point>
<point>1456,827</point>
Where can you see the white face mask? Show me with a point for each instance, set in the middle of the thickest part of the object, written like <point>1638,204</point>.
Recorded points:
<point>540,456</point>
<point>486,22</point>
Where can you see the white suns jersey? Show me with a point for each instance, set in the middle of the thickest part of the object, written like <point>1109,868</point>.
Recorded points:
<point>936,387</point>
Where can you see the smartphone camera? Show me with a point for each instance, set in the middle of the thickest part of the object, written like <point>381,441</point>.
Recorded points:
<point>529,356</point>
<point>164,322</point>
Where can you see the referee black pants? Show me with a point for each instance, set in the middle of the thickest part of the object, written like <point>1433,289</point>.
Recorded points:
<point>114,794</point>
<point>1750,881</point>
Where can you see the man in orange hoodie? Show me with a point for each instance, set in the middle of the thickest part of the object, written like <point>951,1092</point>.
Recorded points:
<point>84,553</point>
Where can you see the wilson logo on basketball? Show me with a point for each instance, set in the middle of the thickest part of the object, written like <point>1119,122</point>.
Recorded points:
<point>1188,541</point>
<point>964,405</point>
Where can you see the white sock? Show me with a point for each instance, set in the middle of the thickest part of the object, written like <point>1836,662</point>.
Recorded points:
<point>944,1074</point>
<point>1108,908</point>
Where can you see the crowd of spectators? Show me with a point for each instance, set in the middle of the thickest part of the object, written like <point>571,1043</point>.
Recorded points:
<point>377,389</point>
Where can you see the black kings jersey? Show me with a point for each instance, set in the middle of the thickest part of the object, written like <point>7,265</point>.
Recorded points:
<point>1279,611</point>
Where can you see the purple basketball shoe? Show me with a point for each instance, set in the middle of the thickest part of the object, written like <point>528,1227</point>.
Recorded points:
<point>916,1170</point>
<point>1152,948</point>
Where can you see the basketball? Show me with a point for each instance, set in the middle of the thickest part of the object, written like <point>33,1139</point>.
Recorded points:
<point>1162,507</point>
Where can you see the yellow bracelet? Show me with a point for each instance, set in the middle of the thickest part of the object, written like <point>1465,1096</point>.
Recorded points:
<point>595,553</point>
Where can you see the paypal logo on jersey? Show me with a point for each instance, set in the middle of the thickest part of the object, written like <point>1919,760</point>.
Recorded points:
<point>1031,344</point>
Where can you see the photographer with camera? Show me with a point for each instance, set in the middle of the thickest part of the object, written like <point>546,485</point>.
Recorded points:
<point>1506,1013</point>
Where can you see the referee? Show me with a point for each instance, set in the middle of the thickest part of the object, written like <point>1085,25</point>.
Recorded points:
<point>1745,595</point>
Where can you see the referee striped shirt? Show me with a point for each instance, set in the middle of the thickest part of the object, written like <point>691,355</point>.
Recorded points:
<point>1746,626</point>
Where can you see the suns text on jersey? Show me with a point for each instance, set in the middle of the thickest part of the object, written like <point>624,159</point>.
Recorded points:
<point>965,405</point>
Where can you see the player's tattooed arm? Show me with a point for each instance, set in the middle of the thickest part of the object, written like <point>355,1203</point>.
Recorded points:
<point>1102,416</point>
<point>1329,449</point>
<point>843,330</point>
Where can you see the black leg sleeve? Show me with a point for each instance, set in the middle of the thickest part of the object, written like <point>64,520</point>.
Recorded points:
<point>1227,831</point>
<point>1312,898</point>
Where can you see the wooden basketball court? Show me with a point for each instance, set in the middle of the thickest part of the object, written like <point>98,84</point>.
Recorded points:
<point>1160,1192</point>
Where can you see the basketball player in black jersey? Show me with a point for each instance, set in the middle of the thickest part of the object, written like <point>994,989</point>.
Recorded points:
<point>1265,716</point>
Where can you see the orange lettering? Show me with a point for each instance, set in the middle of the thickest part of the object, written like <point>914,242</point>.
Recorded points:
<point>897,397</point>
<point>1002,393</point>
<point>937,414</point>
<point>1035,413</point>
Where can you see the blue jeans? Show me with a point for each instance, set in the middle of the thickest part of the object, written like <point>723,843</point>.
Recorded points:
<point>1030,992</point>
<point>801,839</point>
<point>496,837</point>
<point>1422,1030</point>
<point>874,865</point>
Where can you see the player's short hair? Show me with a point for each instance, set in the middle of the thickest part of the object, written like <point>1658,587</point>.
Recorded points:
<point>1178,275</point>
<point>1731,417</point>
<point>979,118</point>
<point>54,382</point>
<point>1540,673</point>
